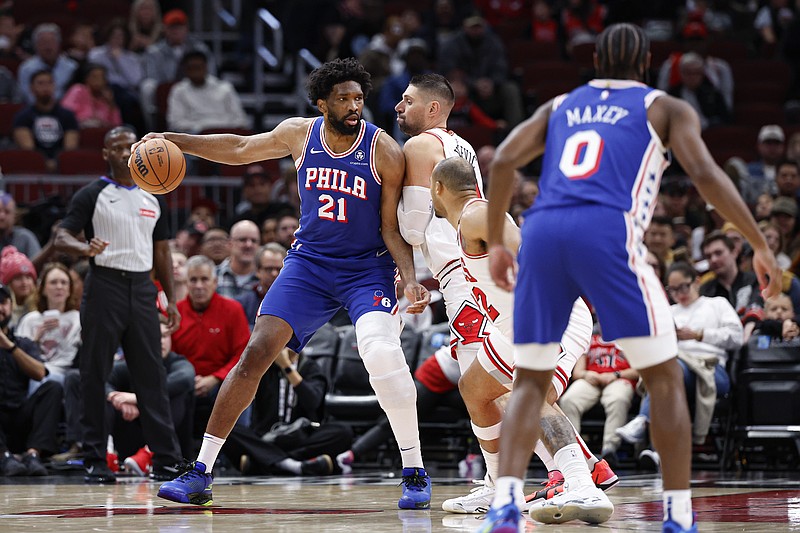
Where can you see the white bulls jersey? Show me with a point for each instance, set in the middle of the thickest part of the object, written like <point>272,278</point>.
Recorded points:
<point>440,249</point>
<point>495,302</point>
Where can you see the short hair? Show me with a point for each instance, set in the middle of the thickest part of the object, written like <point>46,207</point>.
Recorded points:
<point>38,73</point>
<point>663,221</point>
<point>717,235</point>
<point>46,27</point>
<point>322,79</point>
<point>456,174</point>
<point>435,84</point>
<point>273,248</point>
<point>622,51</point>
<point>684,268</point>
<point>194,54</point>
<point>197,261</point>
<point>119,130</point>
<point>787,161</point>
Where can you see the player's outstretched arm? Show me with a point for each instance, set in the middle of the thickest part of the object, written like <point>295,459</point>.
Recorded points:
<point>391,167</point>
<point>683,136</point>
<point>524,144</point>
<point>286,139</point>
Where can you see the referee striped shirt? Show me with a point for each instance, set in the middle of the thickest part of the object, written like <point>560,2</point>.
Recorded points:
<point>129,218</point>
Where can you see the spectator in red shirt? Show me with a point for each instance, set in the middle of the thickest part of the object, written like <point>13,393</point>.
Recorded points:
<point>544,28</point>
<point>603,375</point>
<point>212,335</point>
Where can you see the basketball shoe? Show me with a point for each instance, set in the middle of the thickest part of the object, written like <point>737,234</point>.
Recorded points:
<point>504,519</point>
<point>670,526</point>
<point>586,503</point>
<point>193,486</point>
<point>140,463</point>
<point>604,479</point>
<point>479,499</point>
<point>416,489</point>
<point>634,431</point>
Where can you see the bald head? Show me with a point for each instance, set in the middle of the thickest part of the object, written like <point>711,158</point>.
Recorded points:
<point>455,174</point>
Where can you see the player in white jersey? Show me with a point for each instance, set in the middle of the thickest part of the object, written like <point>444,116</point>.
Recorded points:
<point>454,199</point>
<point>423,114</point>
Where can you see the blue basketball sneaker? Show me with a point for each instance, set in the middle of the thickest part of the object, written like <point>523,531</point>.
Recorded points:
<point>670,526</point>
<point>416,489</point>
<point>504,519</point>
<point>193,486</point>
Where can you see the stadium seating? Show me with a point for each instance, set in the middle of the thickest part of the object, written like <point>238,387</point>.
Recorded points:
<point>22,162</point>
<point>74,162</point>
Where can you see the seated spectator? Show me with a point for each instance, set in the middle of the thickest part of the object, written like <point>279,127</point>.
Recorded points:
<point>45,125</point>
<point>658,267</point>
<point>736,237</point>
<point>763,207</point>
<point>212,335</point>
<point>9,92</point>
<point>55,325</point>
<point>760,176</point>
<point>293,387</point>
<point>465,111</point>
<point>582,21</point>
<point>779,323</point>
<point>783,216</point>
<point>92,100</point>
<point>216,245</point>
<point>793,147</point>
<point>698,91</point>
<point>201,101</point>
<point>544,27</point>
<point>19,275</point>
<point>236,274</point>
<point>787,178</point>
<point>162,59</point>
<point>188,238</point>
<point>602,375</point>
<point>204,210</point>
<point>28,424</point>
<point>284,232</point>
<point>268,230</point>
<point>123,411</point>
<point>257,203</point>
<point>269,261</point>
<point>707,328</point>
<point>416,60</point>
<point>739,288</point>
<point>81,41</point>
<point>179,284</point>
<point>144,24</point>
<point>775,241</point>
<point>10,33</point>
<point>771,22</point>
<point>660,238</point>
<point>11,234</point>
<point>388,42</point>
<point>48,57</point>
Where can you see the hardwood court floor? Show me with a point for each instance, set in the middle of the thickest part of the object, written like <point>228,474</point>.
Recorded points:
<point>365,503</point>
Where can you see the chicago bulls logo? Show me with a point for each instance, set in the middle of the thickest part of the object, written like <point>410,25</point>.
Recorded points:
<point>469,324</point>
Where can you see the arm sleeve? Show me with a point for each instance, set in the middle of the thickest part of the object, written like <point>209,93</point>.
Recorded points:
<point>728,333</point>
<point>81,209</point>
<point>413,213</point>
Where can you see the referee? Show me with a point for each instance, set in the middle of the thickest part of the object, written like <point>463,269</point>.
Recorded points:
<point>127,234</point>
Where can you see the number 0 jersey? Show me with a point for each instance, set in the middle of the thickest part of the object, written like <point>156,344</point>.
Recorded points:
<point>340,196</point>
<point>601,149</point>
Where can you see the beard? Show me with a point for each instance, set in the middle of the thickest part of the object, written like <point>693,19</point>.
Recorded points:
<point>339,125</point>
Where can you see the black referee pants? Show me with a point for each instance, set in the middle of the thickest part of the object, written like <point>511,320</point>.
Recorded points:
<point>119,308</point>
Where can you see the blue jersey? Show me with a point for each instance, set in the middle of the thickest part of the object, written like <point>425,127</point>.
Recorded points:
<point>340,197</point>
<point>602,150</point>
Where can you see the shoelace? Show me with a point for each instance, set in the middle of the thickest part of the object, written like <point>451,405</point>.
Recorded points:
<point>190,474</point>
<point>414,481</point>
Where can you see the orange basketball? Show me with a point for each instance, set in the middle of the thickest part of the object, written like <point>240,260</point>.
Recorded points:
<point>158,166</point>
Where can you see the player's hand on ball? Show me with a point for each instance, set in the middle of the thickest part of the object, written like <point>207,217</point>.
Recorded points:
<point>418,297</point>
<point>142,141</point>
<point>96,246</point>
<point>502,267</point>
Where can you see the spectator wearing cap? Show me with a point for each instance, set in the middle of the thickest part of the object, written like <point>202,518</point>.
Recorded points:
<point>694,36</point>
<point>784,216</point>
<point>28,423</point>
<point>20,238</point>
<point>19,275</point>
<point>49,57</point>
<point>787,178</point>
<point>236,275</point>
<point>760,177</point>
<point>216,245</point>
<point>162,59</point>
<point>201,101</point>
<point>727,280</point>
<point>480,54</point>
<point>697,90</point>
<point>188,239</point>
<point>204,210</point>
<point>257,204</point>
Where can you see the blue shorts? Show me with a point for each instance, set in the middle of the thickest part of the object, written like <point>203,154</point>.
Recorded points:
<point>310,289</point>
<point>592,251</point>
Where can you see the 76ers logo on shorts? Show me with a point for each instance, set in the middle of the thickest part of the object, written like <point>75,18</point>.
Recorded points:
<point>379,299</point>
<point>469,324</point>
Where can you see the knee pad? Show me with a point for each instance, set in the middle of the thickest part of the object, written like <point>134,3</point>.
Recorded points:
<point>378,337</point>
<point>487,433</point>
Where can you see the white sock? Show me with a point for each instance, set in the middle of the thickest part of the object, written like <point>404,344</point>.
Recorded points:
<point>571,462</point>
<point>591,460</point>
<point>508,489</point>
<point>678,506</point>
<point>209,451</point>
<point>290,465</point>
<point>411,454</point>
<point>544,455</point>
<point>492,464</point>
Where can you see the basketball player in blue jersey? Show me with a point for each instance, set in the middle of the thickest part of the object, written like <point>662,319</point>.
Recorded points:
<point>605,146</point>
<point>350,175</point>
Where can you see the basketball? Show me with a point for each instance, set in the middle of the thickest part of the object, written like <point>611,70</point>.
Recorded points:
<point>158,166</point>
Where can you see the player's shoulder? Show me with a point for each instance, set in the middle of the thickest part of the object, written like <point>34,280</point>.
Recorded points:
<point>385,144</point>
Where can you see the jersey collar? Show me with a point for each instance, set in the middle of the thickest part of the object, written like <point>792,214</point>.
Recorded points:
<point>615,84</point>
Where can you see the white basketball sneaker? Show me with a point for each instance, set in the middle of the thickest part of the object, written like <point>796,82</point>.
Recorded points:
<point>478,500</point>
<point>586,503</point>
